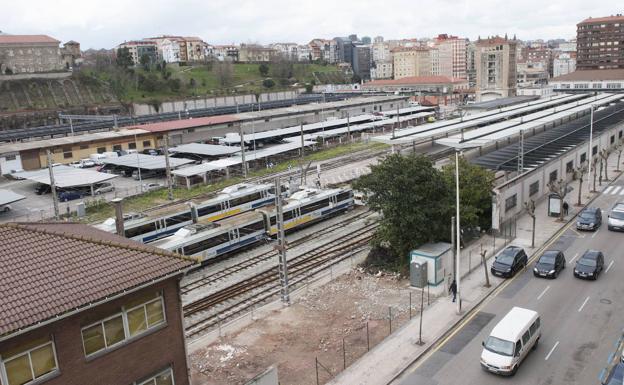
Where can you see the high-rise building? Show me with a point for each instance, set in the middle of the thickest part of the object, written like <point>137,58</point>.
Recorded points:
<point>452,56</point>
<point>361,61</point>
<point>496,68</point>
<point>471,64</point>
<point>409,62</point>
<point>600,43</point>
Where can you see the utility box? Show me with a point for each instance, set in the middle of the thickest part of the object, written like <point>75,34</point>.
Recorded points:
<point>418,274</point>
<point>81,210</point>
<point>438,257</point>
<point>554,205</point>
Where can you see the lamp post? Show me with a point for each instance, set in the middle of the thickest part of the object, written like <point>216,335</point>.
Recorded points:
<point>591,146</point>
<point>458,235</point>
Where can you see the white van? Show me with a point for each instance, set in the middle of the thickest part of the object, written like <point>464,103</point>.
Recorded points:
<point>510,341</point>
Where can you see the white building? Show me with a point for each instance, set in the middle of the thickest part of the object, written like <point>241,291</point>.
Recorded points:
<point>170,50</point>
<point>381,52</point>
<point>303,52</point>
<point>382,70</point>
<point>563,64</point>
<point>568,46</point>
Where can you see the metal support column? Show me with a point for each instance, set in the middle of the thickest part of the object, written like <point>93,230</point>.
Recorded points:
<point>53,186</point>
<point>281,246</point>
<point>168,169</point>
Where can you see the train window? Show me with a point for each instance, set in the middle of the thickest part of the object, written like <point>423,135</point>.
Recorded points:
<point>315,206</point>
<point>273,220</point>
<point>208,210</point>
<point>177,219</point>
<point>343,196</point>
<point>206,244</point>
<point>245,199</point>
<point>251,228</point>
<point>288,215</point>
<point>140,230</point>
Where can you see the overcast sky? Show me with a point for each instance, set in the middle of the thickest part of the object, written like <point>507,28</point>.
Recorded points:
<point>106,23</point>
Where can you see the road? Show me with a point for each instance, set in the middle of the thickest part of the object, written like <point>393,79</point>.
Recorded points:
<point>581,320</point>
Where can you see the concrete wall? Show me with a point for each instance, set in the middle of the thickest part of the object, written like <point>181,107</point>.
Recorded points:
<point>269,377</point>
<point>51,75</point>
<point>220,101</point>
<point>520,186</point>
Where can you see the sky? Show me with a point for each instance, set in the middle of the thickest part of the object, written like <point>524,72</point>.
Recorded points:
<point>106,23</point>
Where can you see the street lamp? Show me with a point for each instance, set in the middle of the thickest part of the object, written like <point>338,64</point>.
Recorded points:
<point>591,145</point>
<point>458,235</point>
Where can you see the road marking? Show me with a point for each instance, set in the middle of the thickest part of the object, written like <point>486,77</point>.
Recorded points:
<point>551,351</point>
<point>622,192</point>
<point>611,264</point>
<point>573,258</point>
<point>615,189</point>
<point>595,233</point>
<point>608,189</point>
<point>583,305</point>
<point>577,233</point>
<point>544,292</point>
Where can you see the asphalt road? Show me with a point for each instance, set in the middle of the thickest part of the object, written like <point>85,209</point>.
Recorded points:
<point>581,320</point>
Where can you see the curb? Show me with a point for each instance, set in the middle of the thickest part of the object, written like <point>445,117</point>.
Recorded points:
<point>473,310</point>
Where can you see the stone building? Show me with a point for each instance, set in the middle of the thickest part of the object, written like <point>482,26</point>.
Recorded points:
<point>30,54</point>
<point>410,62</point>
<point>495,62</point>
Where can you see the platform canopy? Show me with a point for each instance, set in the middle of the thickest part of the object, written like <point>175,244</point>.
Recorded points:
<point>146,162</point>
<point>66,176</point>
<point>8,197</point>
<point>205,149</point>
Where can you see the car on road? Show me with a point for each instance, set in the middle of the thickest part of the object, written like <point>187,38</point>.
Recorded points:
<point>103,188</point>
<point>66,196</point>
<point>42,189</point>
<point>517,333</point>
<point>589,219</point>
<point>152,186</point>
<point>509,261</point>
<point>616,376</point>
<point>590,265</point>
<point>549,264</point>
<point>615,221</point>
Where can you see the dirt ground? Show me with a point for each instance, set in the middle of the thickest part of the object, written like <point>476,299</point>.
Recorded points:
<point>312,327</point>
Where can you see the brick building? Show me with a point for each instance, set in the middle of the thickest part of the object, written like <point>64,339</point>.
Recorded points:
<point>411,61</point>
<point>600,43</point>
<point>81,306</point>
<point>30,54</point>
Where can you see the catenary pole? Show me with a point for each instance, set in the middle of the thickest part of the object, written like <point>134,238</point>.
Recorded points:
<point>458,236</point>
<point>591,146</point>
<point>53,186</point>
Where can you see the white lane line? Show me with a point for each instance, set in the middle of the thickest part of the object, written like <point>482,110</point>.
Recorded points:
<point>608,189</point>
<point>583,305</point>
<point>615,190</point>
<point>622,192</point>
<point>544,292</point>
<point>611,264</point>
<point>595,233</point>
<point>573,258</point>
<point>551,351</point>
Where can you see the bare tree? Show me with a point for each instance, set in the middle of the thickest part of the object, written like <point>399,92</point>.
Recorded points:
<point>604,155</point>
<point>224,73</point>
<point>560,188</point>
<point>579,173</point>
<point>619,148</point>
<point>530,208</point>
<point>594,161</point>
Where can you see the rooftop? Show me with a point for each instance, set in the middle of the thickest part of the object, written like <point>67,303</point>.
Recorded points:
<point>27,39</point>
<point>185,123</point>
<point>591,75</point>
<point>50,270</point>
<point>602,19</point>
<point>415,80</point>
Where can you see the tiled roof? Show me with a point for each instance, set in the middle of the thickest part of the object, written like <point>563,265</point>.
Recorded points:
<point>186,123</point>
<point>591,75</point>
<point>49,270</point>
<point>26,39</point>
<point>603,19</point>
<point>415,80</point>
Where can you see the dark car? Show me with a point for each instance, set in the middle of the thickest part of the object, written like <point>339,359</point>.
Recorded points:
<point>550,264</point>
<point>616,376</point>
<point>41,189</point>
<point>509,261</point>
<point>589,219</point>
<point>66,196</point>
<point>589,265</point>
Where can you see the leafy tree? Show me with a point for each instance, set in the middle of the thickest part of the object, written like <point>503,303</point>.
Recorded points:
<point>124,59</point>
<point>475,197</point>
<point>223,71</point>
<point>8,71</point>
<point>175,84</point>
<point>145,62</point>
<point>268,83</point>
<point>264,69</point>
<point>356,78</point>
<point>309,87</point>
<point>414,200</point>
<point>192,83</point>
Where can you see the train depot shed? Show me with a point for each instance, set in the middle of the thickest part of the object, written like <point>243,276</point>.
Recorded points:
<point>67,178</point>
<point>201,151</point>
<point>7,197</point>
<point>141,166</point>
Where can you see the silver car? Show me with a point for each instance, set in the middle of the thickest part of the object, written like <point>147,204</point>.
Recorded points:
<point>616,218</point>
<point>104,188</point>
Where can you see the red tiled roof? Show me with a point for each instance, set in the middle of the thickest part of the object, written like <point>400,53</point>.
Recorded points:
<point>49,270</point>
<point>415,80</point>
<point>27,39</point>
<point>591,75</point>
<point>602,19</point>
<point>186,123</point>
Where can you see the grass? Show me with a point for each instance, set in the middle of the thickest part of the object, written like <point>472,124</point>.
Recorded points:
<point>101,210</point>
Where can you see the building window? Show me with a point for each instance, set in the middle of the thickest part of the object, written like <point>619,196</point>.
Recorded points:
<point>511,202</point>
<point>132,146</point>
<point>84,146</point>
<point>612,139</point>
<point>31,363</point>
<point>68,155</point>
<point>620,135</point>
<point>163,378</point>
<point>583,158</point>
<point>552,177</point>
<point>117,147</point>
<point>533,188</point>
<point>570,166</point>
<point>130,322</point>
<point>13,157</point>
<point>147,143</point>
<point>101,150</point>
<point>594,150</point>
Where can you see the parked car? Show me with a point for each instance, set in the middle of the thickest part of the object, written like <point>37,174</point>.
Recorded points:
<point>509,261</point>
<point>616,376</point>
<point>590,265</point>
<point>5,208</point>
<point>589,219</point>
<point>615,219</point>
<point>103,188</point>
<point>549,264</point>
<point>83,163</point>
<point>151,151</point>
<point>152,186</point>
<point>42,189</point>
<point>145,174</point>
<point>66,196</point>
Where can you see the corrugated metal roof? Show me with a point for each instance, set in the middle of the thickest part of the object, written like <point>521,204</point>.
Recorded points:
<point>146,162</point>
<point>8,196</point>
<point>205,149</point>
<point>66,176</point>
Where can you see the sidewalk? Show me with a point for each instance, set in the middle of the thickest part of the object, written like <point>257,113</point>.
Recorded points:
<point>376,367</point>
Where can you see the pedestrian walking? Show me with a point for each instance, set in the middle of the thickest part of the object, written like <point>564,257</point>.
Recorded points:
<point>453,290</point>
<point>566,207</point>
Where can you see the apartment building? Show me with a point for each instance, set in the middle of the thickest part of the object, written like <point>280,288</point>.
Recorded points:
<point>82,306</point>
<point>29,54</point>
<point>253,53</point>
<point>600,43</point>
<point>543,56</point>
<point>381,70</point>
<point>564,63</point>
<point>496,68</point>
<point>411,62</point>
<point>452,56</point>
<point>288,51</point>
<point>139,48</point>
<point>361,61</point>
<point>226,52</point>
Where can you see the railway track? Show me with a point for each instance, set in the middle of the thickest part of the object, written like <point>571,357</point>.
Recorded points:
<point>260,258</point>
<point>206,313</point>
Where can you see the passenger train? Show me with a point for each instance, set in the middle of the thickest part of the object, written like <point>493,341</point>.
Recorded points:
<point>161,223</point>
<point>209,240</point>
